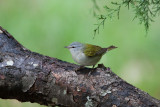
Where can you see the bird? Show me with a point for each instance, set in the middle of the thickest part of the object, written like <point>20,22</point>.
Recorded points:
<point>87,54</point>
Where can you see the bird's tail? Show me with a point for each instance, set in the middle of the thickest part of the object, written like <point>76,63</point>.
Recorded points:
<point>104,50</point>
<point>111,47</point>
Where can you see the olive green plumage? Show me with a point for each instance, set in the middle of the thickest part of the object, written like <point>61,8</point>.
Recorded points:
<point>93,50</point>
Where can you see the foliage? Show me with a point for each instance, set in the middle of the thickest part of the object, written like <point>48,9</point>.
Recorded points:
<point>145,11</point>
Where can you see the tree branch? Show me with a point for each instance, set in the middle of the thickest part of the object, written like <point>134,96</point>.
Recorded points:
<point>29,76</point>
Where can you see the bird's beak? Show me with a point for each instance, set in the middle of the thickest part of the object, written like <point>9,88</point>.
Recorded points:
<point>66,47</point>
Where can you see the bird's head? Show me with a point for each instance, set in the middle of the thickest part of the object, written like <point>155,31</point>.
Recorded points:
<point>75,46</point>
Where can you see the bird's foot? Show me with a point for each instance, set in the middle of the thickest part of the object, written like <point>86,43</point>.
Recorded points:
<point>92,70</point>
<point>100,66</point>
<point>79,68</point>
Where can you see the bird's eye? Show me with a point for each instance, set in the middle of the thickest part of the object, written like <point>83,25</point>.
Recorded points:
<point>73,47</point>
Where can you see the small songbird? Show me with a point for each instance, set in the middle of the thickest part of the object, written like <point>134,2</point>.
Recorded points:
<point>87,54</point>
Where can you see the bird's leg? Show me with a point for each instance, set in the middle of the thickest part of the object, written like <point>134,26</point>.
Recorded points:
<point>79,68</point>
<point>91,70</point>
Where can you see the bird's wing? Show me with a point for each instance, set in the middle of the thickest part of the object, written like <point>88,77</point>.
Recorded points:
<point>92,50</point>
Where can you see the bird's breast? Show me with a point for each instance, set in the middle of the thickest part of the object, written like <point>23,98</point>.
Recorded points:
<point>84,60</point>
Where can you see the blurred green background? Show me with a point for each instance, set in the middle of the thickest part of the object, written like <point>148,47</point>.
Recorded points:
<point>46,26</point>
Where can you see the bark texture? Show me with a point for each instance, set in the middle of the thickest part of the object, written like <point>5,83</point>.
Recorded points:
<point>29,76</point>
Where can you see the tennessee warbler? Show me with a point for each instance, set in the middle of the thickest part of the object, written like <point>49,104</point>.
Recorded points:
<point>87,54</point>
